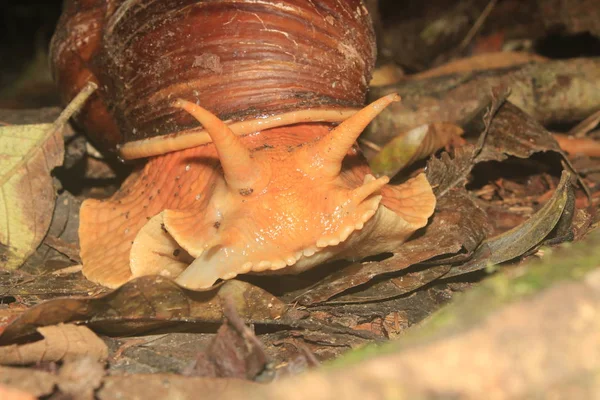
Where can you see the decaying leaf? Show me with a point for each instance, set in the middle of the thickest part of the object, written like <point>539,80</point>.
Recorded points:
<point>519,240</point>
<point>514,133</point>
<point>458,224</point>
<point>448,172</point>
<point>60,342</point>
<point>235,352</point>
<point>28,153</point>
<point>152,300</point>
<point>32,289</point>
<point>393,287</point>
<point>413,145</point>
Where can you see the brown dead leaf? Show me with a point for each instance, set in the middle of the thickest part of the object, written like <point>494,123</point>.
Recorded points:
<point>60,342</point>
<point>519,240</point>
<point>235,352</point>
<point>28,153</point>
<point>507,131</point>
<point>413,279</point>
<point>446,172</point>
<point>32,289</point>
<point>412,146</point>
<point>149,301</point>
<point>514,133</point>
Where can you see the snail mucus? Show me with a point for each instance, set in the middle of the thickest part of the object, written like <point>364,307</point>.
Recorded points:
<point>248,112</point>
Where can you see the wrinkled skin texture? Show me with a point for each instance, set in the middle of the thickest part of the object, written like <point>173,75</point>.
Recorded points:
<point>296,215</point>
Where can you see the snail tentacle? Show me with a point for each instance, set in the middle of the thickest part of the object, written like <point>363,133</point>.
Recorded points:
<point>370,186</point>
<point>241,172</point>
<point>334,147</point>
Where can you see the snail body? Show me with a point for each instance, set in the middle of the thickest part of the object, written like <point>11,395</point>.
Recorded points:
<point>248,111</point>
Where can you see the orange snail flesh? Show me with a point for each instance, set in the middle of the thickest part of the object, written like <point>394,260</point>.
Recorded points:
<point>281,200</point>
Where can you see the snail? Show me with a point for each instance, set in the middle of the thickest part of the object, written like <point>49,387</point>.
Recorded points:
<point>248,112</point>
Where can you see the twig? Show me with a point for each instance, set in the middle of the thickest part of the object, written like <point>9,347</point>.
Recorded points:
<point>370,145</point>
<point>585,126</point>
<point>477,25</point>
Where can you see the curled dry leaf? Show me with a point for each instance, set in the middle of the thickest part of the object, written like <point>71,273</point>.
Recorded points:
<point>151,299</point>
<point>60,342</point>
<point>523,238</point>
<point>448,172</point>
<point>412,146</point>
<point>393,287</point>
<point>28,153</point>
<point>512,132</point>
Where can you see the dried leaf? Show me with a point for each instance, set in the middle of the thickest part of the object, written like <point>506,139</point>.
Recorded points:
<point>234,353</point>
<point>394,287</point>
<point>519,240</point>
<point>33,289</point>
<point>446,173</point>
<point>506,132</point>
<point>458,224</point>
<point>149,301</point>
<point>412,146</point>
<point>28,153</point>
<point>514,133</point>
<point>60,342</point>
<point>27,156</point>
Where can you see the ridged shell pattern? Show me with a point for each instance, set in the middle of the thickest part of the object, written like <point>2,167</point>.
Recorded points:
<point>239,59</point>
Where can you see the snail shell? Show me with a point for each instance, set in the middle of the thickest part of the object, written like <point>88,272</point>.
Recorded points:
<point>279,188</point>
<point>240,59</point>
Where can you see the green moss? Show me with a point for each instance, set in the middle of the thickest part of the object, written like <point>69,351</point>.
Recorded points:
<point>572,261</point>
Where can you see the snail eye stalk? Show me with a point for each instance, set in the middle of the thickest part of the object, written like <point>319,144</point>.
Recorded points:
<point>241,172</point>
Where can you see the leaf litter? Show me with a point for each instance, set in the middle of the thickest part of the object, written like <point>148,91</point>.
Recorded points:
<point>28,153</point>
<point>504,187</point>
